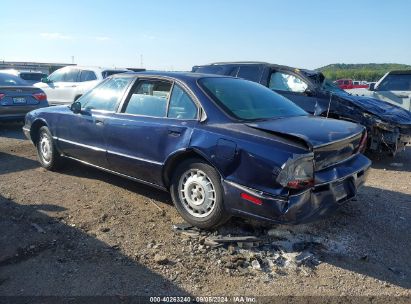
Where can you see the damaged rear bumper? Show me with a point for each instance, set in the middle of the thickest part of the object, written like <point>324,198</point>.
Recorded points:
<point>334,186</point>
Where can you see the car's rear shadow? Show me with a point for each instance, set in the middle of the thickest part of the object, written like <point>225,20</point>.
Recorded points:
<point>376,225</point>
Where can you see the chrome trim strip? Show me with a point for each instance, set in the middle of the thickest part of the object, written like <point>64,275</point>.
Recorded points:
<point>117,173</point>
<point>78,144</point>
<point>257,193</point>
<point>339,140</point>
<point>344,177</point>
<point>108,151</point>
<point>136,158</point>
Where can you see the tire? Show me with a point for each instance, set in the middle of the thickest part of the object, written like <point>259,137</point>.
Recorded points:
<point>47,153</point>
<point>197,194</point>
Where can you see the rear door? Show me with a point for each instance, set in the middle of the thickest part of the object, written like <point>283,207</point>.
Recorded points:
<point>395,89</point>
<point>294,88</point>
<point>83,135</point>
<point>156,120</point>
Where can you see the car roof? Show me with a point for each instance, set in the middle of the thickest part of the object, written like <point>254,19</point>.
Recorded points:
<point>260,63</point>
<point>400,72</point>
<point>177,75</point>
<point>94,68</point>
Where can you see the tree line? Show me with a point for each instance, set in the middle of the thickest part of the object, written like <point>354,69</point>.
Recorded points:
<point>367,72</point>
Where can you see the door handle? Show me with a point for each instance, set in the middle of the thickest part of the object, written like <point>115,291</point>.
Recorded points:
<point>174,132</point>
<point>99,122</point>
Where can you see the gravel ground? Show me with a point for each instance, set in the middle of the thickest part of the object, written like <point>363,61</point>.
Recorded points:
<point>84,232</point>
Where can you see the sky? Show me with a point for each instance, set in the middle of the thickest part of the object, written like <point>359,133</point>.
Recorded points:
<point>175,35</point>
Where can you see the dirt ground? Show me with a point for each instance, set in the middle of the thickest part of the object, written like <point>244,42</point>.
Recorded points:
<point>85,232</point>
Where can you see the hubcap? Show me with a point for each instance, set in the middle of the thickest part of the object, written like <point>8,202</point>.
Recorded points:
<point>45,148</point>
<point>197,193</point>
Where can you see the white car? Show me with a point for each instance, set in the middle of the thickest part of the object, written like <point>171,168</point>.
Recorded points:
<point>67,84</point>
<point>394,87</point>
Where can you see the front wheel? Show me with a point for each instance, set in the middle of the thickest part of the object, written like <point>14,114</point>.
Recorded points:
<point>197,194</point>
<point>46,151</point>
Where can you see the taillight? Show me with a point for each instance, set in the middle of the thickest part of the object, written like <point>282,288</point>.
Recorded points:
<point>40,96</point>
<point>2,96</point>
<point>297,172</point>
<point>363,143</point>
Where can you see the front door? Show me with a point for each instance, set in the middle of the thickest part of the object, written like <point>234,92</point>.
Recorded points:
<point>157,119</point>
<point>83,135</point>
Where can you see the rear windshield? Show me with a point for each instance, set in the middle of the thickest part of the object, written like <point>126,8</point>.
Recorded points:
<point>11,80</point>
<point>246,100</point>
<point>32,76</point>
<point>396,82</point>
<point>109,73</point>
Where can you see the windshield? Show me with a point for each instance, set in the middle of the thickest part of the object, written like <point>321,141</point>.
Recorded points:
<point>246,100</point>
<point>327,85</point>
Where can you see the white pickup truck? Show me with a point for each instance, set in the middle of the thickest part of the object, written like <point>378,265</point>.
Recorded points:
<point>394,87</point>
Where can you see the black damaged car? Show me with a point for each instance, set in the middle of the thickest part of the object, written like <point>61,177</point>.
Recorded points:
<point>388,126</point>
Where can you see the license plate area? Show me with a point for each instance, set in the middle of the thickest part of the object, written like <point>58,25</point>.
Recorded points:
<point>19,100</point>
<point>339,191</point>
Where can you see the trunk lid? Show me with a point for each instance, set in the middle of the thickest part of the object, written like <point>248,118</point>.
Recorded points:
<point>332,141</point>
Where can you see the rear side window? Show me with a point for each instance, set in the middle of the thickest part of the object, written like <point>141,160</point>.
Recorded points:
<point>149,98</point>
<point>396,82</point>
<point>87,76</point>
<point>181,106</point>
<point>107,95</point>
<point>32,76</point>
<point>252,73</point>
<point>286,82</point>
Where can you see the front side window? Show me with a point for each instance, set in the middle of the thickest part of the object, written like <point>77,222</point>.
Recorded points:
<point>71,75</point>
<point>246,100</point>
<point>58,75</point>
<point>286,82</point>
<point>149,98</point>
<point>87,76</point>
<point>181,105</point>
<point>107,95</point>
<point>396,82</point>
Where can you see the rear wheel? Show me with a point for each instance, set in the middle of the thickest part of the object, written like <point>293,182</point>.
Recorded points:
<point>197,194</point>
<point>46,150</point>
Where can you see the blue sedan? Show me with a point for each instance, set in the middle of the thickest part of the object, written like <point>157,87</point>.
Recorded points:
<point>222,146</point>
<point>17,97</point>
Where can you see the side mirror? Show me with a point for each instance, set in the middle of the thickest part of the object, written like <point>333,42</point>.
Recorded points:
<point>309,92</point>
<point>371,87</point>
<point>76,107</point>
<point>46,80</point>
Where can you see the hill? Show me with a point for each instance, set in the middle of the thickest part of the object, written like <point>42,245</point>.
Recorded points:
<point>367,71</point>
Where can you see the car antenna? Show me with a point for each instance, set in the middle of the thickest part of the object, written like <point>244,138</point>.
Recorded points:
<point>329,104</point>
